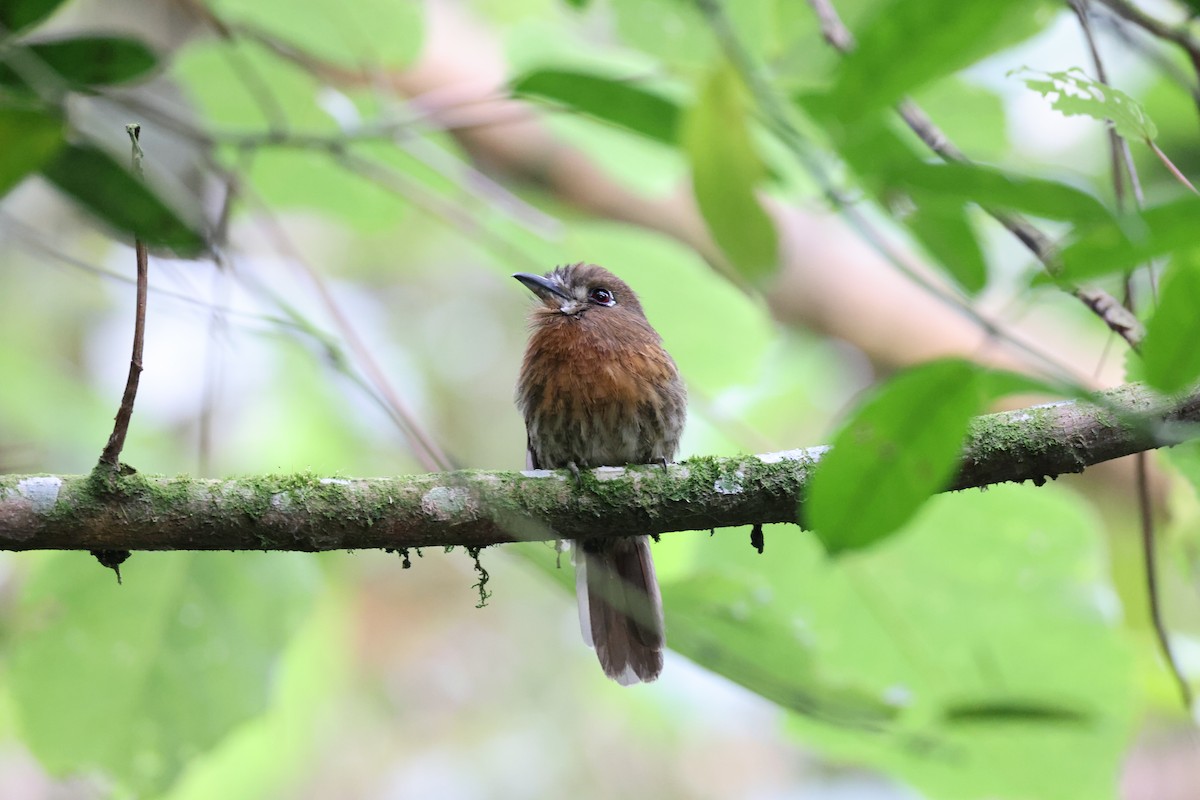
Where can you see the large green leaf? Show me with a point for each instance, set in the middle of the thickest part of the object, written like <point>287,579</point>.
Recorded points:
<point>224,79</point>
<point>31,137</point>
<point>82,61</point>
<point>725,171</point>
<point>727,623</point>
<point>946,232</point>
<point>91,178</point>
<point>976,656</point>
<point>901,445</point>
<point>1171,349</point>
<point>1127,243</point>
<point>882,159</point>
<point>897,449</point>
<point>990,619</point>
<point>134,680</point>
<point>291,178</point>
<point>264,756</point>
<point>619,102</point>
<point>16,15</point>
<point>973,657</point>
<point>971,115</point>
<point>999,190</point>
<point>907,43</point>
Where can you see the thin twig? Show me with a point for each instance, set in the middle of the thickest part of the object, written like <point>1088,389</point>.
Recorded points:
<point>1122,166</point>
<point>1147,45</point>
<point>1150,562</point>
<point>1170,165</point>
<point>1117,146</point>
<point>426,449</point>
<point>1180,35</point>
<point>111,455</point>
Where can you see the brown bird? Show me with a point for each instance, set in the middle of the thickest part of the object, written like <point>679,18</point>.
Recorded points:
<point>598,389</point>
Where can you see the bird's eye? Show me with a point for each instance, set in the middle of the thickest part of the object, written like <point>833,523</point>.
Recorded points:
<point>602,297</point>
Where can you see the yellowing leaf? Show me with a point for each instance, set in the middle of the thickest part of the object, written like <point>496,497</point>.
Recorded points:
<point>725,169</point>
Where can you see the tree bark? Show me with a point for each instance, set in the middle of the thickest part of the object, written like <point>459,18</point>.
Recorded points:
<point>477,509</point>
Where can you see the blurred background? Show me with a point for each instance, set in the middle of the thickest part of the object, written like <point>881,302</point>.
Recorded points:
<point>368,176</point>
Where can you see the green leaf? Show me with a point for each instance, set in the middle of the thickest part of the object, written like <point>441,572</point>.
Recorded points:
<point>992,615</point>
<point>31,137</point>
<point>971,115</point>
<point>115,196</point>
<point>1073,93</point>
<point>900,446</point>
<point>16,15</point>
<point>975,656</point>
<point>995,189</point>
<point>1185,458</point>
<point>677,35</point>
<point>263,757</point>
<point>1124,244</point>
<point>908,43</point>
<point>84,61</point>
<point>1171,349</point>
<point>290,178</point>
<point>727,624</point>
<point>897,449</point>
<point>871,145</point>
<point>136,679</point>
<point>216,76</point>
<point>725,169</point>
<point>947,234</point>
<point>619,102</point>
<point>940,190</point>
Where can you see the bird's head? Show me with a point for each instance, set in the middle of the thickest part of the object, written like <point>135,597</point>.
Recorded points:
<point>579,290</point>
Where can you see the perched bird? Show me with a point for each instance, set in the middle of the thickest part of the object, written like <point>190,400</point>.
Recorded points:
<point>598,389</point>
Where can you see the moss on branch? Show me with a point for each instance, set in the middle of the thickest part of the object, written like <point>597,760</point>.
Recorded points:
<point>476,508</point>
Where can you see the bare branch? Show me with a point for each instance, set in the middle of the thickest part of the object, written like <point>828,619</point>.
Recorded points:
<point>477,509</point>
<point>1180,35</point>
<point>110,457</point>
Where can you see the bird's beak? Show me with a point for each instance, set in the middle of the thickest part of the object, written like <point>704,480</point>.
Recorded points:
<point>543,287</point>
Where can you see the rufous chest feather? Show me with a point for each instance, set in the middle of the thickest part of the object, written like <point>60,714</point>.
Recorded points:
<point>570,363</point>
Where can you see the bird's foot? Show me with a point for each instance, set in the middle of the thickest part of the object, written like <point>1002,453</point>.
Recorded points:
<point>573,468</point>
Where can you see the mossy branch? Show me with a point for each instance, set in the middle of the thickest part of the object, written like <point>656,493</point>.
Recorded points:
<point>476,509</point>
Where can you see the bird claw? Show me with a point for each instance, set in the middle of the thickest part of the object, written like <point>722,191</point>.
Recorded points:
<point>573,468</point>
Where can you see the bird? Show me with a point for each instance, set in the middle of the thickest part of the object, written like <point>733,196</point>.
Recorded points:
<point>597,388</point>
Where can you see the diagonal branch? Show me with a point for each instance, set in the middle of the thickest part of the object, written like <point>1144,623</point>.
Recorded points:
<point>1180,35</point>
<point>477,509</point>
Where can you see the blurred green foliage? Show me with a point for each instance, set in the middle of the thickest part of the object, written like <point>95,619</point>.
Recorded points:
<point>970,646</point>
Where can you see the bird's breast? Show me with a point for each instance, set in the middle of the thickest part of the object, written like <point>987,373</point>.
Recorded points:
<point>597,401</point>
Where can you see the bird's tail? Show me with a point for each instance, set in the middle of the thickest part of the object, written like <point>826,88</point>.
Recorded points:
<point>620,607</point>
